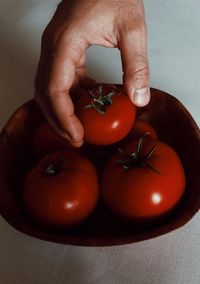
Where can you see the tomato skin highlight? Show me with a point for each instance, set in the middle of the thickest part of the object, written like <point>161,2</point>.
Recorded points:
<point>111,127</point>
<point>46,140</point>
<point>141,194</point>
<point>63,200</point>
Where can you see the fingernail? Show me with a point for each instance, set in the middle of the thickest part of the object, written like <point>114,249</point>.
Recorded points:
<point>141,97</point>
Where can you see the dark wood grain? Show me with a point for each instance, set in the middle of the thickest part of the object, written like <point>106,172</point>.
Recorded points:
<point>174,126</point>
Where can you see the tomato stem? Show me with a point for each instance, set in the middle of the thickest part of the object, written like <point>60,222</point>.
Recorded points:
<point>135,159</point>
<point>53,168</point>
<point>101,100</point>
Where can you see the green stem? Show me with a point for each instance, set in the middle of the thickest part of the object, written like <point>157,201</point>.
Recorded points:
<point>101,100</point>
<point>135,159</point>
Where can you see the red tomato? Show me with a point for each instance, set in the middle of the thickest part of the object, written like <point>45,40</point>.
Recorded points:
<point>46,140</point>
<point>107,115</point>
<point>141,127</point>
<point>62,190</point>
<point>144,187</point>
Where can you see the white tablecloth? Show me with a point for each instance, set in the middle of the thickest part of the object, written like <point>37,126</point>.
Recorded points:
<point>174,45</point>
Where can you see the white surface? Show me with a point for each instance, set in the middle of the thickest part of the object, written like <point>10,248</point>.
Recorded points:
<point>174,44</point>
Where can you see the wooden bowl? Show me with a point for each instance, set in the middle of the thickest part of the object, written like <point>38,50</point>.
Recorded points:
<point>174,125</point>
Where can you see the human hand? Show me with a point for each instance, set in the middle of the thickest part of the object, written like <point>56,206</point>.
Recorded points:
<point>75,26</point>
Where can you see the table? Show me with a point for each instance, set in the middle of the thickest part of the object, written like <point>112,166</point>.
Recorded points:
<point>174,44</point>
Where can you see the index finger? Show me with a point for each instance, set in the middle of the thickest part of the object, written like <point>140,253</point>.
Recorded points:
<point>55,101</point>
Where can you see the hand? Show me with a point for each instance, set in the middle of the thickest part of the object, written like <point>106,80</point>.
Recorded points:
<point>75,26</point>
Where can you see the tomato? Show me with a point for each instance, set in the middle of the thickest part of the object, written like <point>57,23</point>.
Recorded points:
<point>46,140</point>
<point>61,191</point>
<point>107,115</point>
<point>144,186</point>
<point>141,127</point>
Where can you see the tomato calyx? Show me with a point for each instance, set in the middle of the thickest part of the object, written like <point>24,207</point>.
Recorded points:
<point>100,100</point>
<point>53,168</point>
<point>136,159</point>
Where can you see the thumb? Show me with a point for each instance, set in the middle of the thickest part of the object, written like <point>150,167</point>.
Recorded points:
<point>132,45</point>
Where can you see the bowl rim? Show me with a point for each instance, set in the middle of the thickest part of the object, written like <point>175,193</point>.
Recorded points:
<point>117,240</point>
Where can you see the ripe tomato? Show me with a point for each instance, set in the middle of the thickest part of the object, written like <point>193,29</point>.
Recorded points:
<point>146,185</point>
<point>46,140</point>
<point>62,190</point>
<point>141,127</point>
<point>107,115</point>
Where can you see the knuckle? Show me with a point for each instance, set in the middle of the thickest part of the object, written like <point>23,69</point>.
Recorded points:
<point>55,92</point>
<point>52,92</point>
<point>136,28</point>
<point>140,23</point>
<point>140,30</point>
<point>139,73</point>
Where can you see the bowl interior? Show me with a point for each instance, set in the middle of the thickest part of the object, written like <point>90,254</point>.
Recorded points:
<point>174,125</point>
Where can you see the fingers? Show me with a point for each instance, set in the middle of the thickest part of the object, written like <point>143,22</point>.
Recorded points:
<point>65,125</point>
<point>61,66</point>
<point>56,75</point>
<point>132,45</point>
